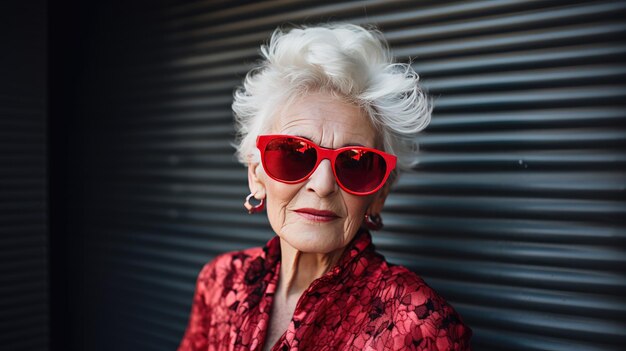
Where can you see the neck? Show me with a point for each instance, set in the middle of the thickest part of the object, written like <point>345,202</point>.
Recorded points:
<point>299,269</point>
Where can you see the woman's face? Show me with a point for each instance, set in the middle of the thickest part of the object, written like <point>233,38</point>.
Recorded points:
<point>291,208</point>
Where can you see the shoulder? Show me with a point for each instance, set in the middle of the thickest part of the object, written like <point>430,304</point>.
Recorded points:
<point>228,266</point>
<point>229,277</point>
<point>422,319</point>
<point>402,283</point>
<point>230,263</point>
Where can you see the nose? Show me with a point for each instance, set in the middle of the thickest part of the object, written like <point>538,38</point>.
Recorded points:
<point>322,181</point>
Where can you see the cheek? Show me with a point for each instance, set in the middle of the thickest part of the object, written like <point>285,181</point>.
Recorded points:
<point>357,207</point>
<point>278,198</point>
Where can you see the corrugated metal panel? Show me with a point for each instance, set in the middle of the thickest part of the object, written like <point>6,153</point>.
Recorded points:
<point>514,212</point>
<point>24,312</point>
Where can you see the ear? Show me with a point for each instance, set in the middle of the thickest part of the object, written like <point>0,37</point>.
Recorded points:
<point>376,207</point>
<point>257,187</point>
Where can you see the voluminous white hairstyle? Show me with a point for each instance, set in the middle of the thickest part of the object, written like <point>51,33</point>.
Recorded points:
<point>343,59</point>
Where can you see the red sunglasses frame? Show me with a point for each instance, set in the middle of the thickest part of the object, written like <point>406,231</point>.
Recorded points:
<point>326,154</point>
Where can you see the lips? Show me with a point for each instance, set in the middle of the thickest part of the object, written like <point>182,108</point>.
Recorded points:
<point>317,215</point>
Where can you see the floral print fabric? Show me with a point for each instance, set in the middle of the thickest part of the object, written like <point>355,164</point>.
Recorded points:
<point>362,303</point>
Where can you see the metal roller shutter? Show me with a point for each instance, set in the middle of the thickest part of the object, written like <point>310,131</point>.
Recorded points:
<point>515,212</point>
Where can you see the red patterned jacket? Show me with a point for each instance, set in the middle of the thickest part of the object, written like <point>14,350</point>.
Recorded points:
<point>363,303</point>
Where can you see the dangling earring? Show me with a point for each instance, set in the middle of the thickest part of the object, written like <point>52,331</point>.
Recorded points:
<point>253,209</point>
<point>374,222</point>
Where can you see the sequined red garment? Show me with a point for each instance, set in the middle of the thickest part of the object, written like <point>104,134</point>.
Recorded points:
<point>363,303</point>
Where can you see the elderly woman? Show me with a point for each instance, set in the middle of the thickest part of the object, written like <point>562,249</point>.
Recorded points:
<point>325,123</point>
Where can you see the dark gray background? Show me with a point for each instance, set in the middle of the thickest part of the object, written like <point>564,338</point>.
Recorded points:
<point>118,181</point>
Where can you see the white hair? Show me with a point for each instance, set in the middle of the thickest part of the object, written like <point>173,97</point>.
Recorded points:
<point>346,60</point>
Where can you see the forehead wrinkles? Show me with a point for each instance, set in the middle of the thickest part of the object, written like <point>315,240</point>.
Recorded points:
<point>327,134</point>
<point>328,122</point>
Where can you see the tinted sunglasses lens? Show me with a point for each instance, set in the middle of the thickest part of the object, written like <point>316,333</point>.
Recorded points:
<point>360,171</point>
<point>289,159</point>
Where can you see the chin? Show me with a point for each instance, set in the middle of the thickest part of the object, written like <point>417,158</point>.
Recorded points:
<point>314,239</point>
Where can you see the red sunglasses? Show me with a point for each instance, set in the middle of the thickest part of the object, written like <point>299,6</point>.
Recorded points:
<point>358,170</point>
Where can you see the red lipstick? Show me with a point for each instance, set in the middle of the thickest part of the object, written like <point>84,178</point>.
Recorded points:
<point>317,215</point>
